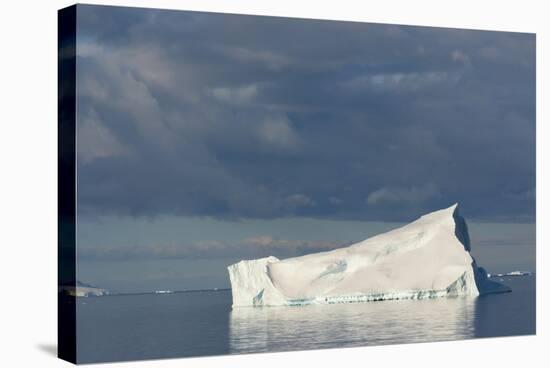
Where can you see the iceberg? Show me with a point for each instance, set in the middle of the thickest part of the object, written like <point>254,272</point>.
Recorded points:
<point>82,290</point>
<point>427,258</point>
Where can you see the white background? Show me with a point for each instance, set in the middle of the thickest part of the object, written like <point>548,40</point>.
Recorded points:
<point>28,180</point>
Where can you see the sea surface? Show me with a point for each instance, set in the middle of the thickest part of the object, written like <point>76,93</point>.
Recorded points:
<point>153,326</point>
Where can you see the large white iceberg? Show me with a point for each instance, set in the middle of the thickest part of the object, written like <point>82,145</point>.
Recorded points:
<point>427,258</point>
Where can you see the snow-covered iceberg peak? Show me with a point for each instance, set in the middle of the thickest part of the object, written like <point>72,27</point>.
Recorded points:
<point>427,258</point>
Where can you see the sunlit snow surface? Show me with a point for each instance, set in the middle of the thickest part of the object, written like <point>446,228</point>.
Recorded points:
<point>428,258</point>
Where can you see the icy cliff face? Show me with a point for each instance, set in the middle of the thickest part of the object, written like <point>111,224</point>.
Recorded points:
<point>427,258</point>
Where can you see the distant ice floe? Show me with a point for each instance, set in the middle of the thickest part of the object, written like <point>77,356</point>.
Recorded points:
<point>512,273</point>
<point>163,292</point>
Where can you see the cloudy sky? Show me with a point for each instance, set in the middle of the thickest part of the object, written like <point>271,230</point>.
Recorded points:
<point>205,138</point>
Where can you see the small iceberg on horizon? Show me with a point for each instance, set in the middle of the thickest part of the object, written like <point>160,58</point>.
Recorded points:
<point>81,289</point>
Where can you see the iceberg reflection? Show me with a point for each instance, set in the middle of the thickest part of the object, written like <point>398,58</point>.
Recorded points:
<point>347,325</point>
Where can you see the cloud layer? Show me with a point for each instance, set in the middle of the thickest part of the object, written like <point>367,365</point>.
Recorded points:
<point>197,114</point>
<point>252,247</point>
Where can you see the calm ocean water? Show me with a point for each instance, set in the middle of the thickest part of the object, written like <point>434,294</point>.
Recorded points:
<point>153,326</point>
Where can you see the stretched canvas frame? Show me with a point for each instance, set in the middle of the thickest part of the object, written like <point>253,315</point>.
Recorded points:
<point>278,289</point>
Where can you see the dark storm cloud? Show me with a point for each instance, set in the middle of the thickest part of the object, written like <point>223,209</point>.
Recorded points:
<point>236,116</point>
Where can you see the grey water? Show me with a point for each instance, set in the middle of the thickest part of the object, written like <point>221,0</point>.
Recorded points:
<point>153,326</point>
